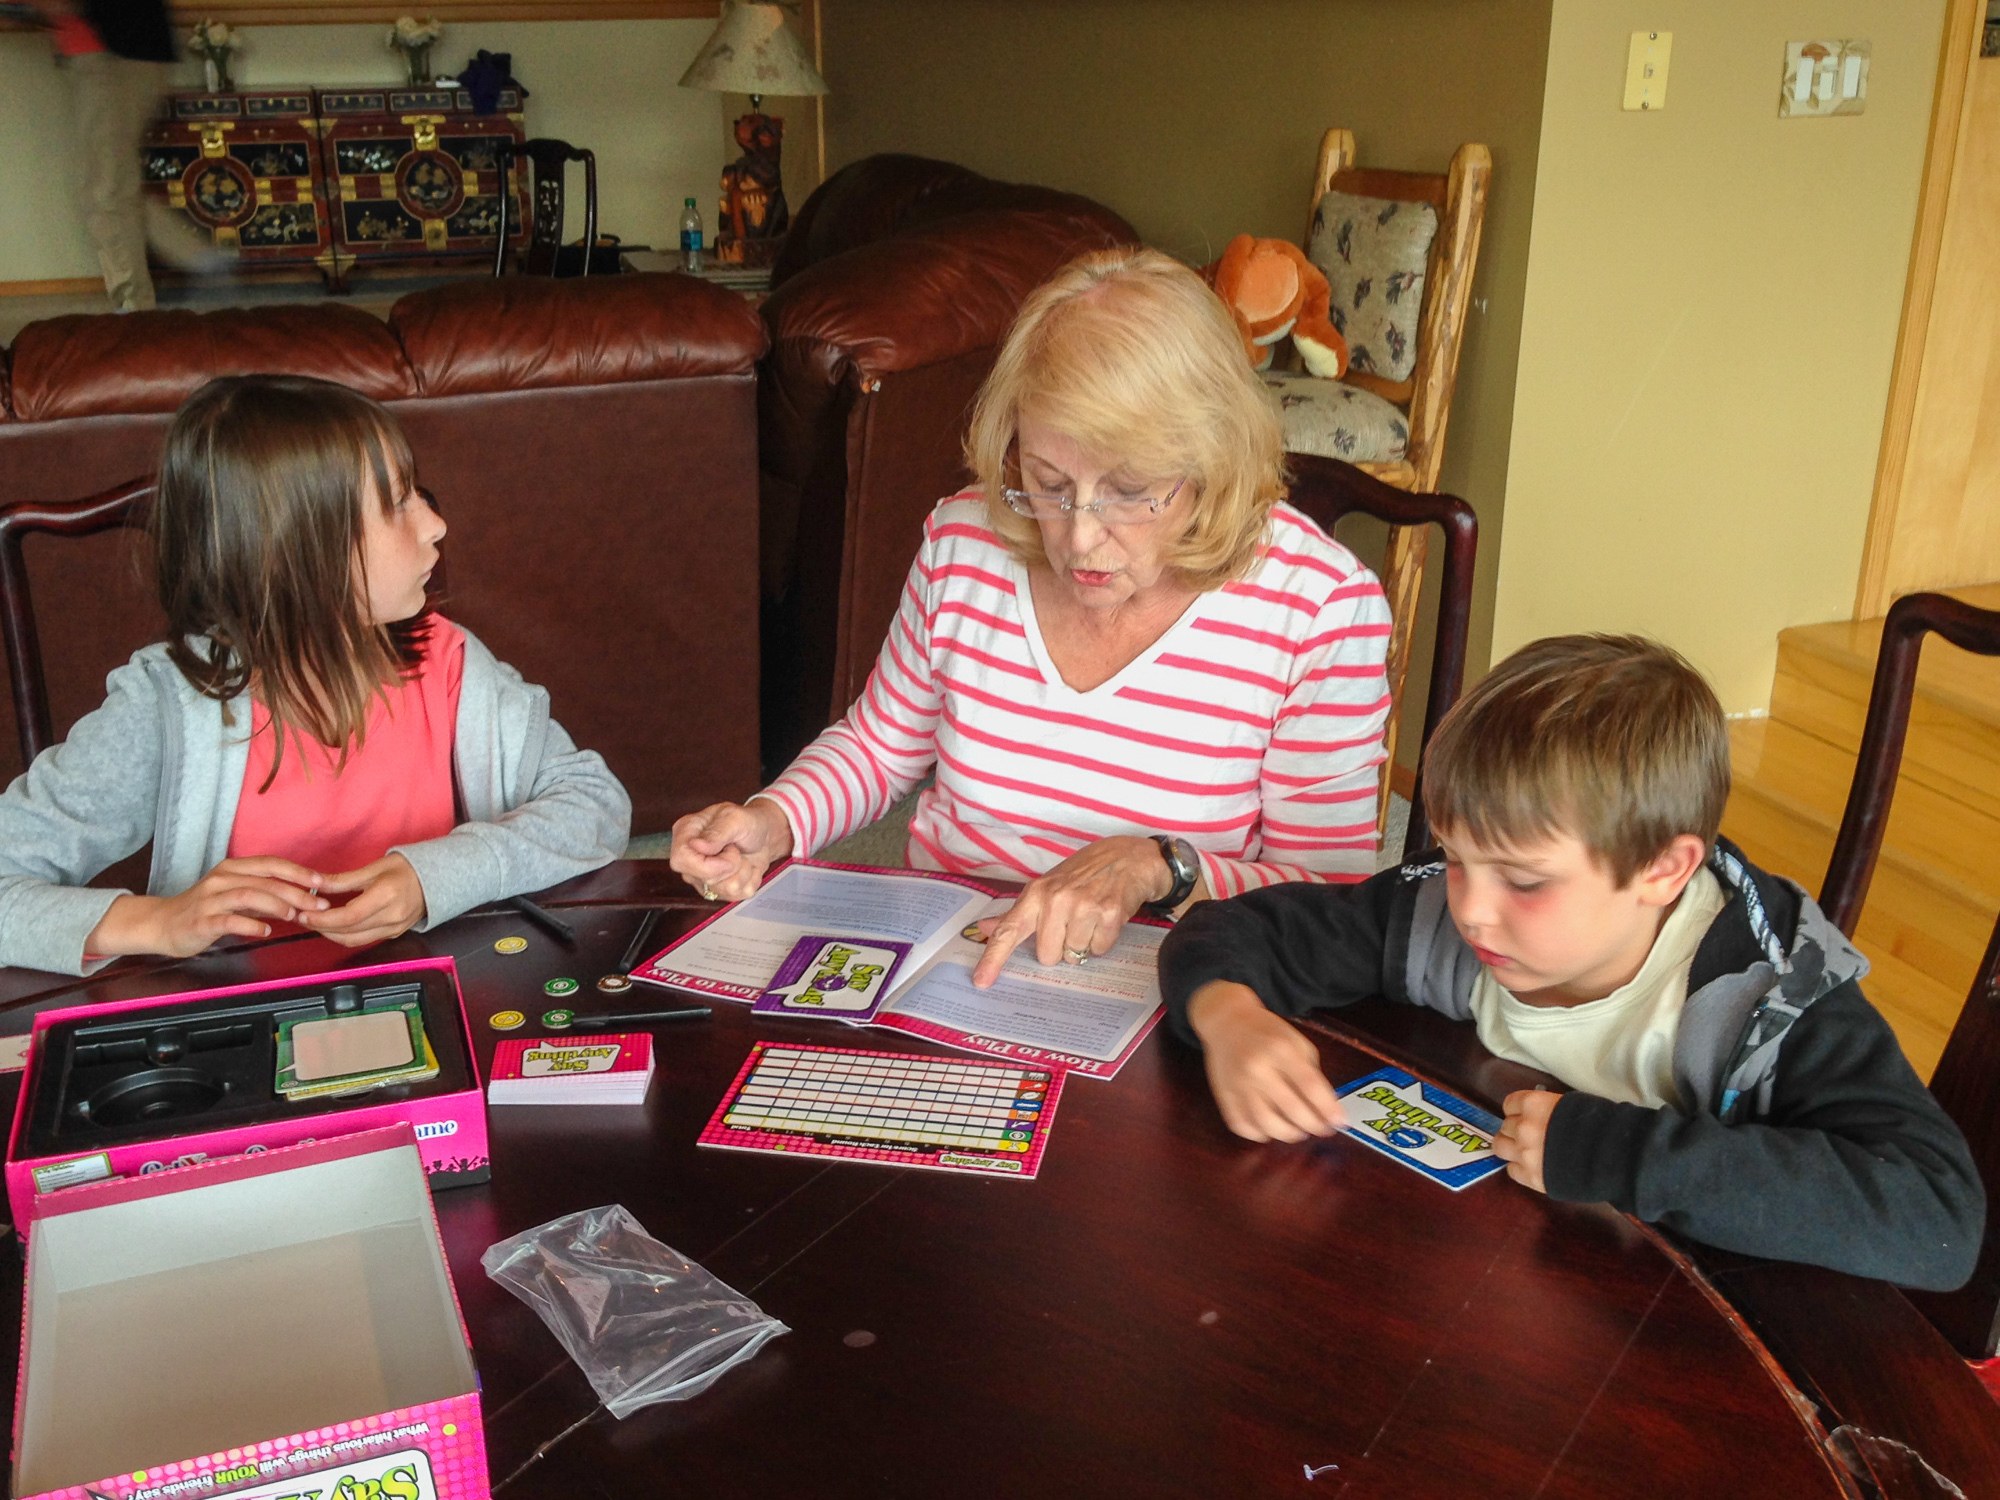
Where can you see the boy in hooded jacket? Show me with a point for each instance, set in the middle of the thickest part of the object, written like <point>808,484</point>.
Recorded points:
<point>1727,1078</point>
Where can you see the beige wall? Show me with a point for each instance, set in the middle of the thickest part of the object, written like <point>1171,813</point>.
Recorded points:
<point>1199,121</point>
<point>1712,301</point>
<point>608,85</point>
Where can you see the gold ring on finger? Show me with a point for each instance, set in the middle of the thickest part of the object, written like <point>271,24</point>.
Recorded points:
<point>707,891</point>
<point>1077,956</point>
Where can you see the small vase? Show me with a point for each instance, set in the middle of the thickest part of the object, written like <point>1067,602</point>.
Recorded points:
<point>419,59</point>
<point>215,72</point>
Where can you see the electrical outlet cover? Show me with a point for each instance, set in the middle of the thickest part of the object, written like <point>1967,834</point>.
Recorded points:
<point>1824,78</point>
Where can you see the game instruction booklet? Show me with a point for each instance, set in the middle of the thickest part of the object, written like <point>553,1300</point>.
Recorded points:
<point>1086,1018</point>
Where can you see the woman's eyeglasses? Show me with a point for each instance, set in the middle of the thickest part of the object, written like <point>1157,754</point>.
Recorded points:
<point>1117,510</point>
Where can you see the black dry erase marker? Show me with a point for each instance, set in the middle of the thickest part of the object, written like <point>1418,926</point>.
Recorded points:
<point>635,949</point>
<point>542,917</point>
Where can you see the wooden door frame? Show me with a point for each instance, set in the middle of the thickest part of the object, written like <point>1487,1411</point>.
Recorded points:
<point>1963,23</point>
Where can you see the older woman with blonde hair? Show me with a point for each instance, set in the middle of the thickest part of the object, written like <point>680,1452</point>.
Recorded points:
<point>1140,678</point>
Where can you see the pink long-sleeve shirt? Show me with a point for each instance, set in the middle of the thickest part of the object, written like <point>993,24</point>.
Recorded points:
<point>1252,727</point>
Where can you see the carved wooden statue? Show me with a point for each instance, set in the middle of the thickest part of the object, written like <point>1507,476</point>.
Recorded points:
<point>752,218</point>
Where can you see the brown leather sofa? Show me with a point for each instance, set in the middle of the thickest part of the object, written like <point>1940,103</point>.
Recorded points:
<point>896,285</point>
<point>591,442</point>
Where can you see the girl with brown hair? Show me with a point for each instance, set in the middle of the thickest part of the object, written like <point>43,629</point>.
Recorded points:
<point>310,730</point>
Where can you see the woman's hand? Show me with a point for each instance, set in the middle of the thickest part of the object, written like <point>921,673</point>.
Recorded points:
<point>238,898</point>
<point>724,850</point>
<point>388,902</point>
<point>1076,910</point>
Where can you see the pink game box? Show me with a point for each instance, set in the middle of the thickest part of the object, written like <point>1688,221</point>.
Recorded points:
<point>133,1087</point>
<point>280,1324</point>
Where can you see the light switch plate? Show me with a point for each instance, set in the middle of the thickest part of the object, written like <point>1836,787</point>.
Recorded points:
<point>1824,78</point>
<point>1646,69</point>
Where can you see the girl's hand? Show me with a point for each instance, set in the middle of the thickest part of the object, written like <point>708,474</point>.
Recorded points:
<point>388,902</point>
<point>724,850</point>
<point>1076,910</point>
<point>238,898</point>
<point>1523,1134</point>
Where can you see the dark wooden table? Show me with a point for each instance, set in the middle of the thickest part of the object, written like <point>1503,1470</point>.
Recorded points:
<point>1165,1311</point>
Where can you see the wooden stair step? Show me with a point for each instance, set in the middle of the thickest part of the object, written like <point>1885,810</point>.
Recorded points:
<point>1932,836</point>
<point>1921,920</point>
<point>1823,679</point>
<point>1918,975</point>
<point>1919,1009</point>
<point>1923,940</point>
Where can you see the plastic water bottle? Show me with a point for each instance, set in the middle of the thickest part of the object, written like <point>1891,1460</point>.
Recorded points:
<point>691,237</point>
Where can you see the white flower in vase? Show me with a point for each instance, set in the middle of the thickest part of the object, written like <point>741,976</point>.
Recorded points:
<point>414,39</point>
<point>212,41</point>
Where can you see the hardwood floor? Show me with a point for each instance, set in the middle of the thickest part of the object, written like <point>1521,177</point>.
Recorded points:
<point>1936,890</point>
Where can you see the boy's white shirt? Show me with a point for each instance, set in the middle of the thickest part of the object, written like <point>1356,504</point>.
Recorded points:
<point>1621,1047</point>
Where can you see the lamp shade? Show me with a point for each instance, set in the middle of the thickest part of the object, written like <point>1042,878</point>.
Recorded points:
<point>753,51</point>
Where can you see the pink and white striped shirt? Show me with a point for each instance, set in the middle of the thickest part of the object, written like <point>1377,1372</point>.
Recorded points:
<point>1252,728</point>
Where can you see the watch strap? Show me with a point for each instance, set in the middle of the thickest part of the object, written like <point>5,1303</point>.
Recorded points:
<point>1186,869</point>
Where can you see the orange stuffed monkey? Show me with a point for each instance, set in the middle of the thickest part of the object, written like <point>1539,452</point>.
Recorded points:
<point>1274,290</point>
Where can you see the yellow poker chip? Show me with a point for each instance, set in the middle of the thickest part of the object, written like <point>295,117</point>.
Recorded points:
<point>514,944</point>
<point>506,1020</point>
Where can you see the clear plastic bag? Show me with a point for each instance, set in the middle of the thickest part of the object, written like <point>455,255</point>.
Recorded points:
<point>645,1323</point>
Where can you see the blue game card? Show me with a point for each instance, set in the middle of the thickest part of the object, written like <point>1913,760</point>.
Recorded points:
<point>1422,1126</point>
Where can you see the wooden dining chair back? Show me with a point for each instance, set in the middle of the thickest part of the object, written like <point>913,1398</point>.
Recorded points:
<point>1399,250</point>
<point>1375,232</point>
<point>1326,491</point>
<point>547,164</point>
<point>125,505</point>
<point>1967,1080</point>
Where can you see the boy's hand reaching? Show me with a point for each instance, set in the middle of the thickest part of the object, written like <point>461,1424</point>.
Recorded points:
<point>388,902</point>
<point>1263,1070</point>
<point>1522,1134</point>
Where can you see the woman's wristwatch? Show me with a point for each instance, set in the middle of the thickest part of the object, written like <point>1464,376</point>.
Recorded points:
<point>1180,857</point>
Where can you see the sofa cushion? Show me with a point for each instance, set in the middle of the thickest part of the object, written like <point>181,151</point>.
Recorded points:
<point>519,333</point>
<point>1374,252</point>
<point>880,197</point>
<point>933,293</point>
<point>864,201</point>
<point>1339,421</point>
<point>96,365</point>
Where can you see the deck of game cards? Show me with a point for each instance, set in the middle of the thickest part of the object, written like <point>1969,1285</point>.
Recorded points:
<point>833,978</point>
<point>614,1069</point>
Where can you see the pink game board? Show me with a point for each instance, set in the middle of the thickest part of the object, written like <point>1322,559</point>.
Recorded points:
<point>953,1114</point>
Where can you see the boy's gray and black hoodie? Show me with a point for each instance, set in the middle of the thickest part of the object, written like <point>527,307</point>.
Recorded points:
<point>1809,1137</point>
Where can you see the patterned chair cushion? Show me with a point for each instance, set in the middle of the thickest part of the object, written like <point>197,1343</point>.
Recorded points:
<point>1373,251</point>
<point>1339,421</point>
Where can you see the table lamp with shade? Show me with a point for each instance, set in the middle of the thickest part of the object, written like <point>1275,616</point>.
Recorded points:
<point>753,52</point>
